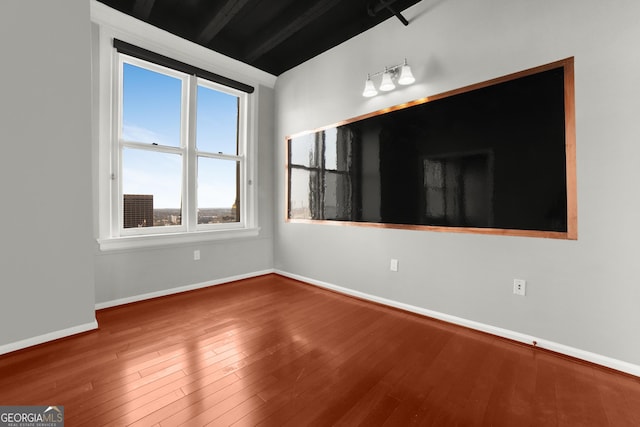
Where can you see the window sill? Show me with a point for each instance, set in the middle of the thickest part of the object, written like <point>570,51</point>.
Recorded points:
<point>159,240</point>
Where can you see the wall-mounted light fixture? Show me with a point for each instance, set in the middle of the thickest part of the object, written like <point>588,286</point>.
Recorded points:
<point>401,73</point>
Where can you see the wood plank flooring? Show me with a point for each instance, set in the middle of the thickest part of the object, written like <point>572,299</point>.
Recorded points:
<point>271,351</point>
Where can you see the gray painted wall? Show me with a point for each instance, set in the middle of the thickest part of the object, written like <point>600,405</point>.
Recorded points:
<point>46,249</point>
<point>583,294</point>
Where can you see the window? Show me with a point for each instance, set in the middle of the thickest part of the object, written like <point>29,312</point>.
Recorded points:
<point>179,163</point>
<point>322,166</point>
<point>153,147</point>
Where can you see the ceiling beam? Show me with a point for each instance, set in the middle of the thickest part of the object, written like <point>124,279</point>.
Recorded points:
<point>295,22</point>
<point>142,8</point>
<point>221,18</point>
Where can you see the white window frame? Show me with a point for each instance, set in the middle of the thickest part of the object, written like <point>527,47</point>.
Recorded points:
<point>111,236</point>
<point>119,144</point>
<point>241,156</point>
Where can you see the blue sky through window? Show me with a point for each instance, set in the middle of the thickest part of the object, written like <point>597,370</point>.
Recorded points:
<point>217,118</point>
<point>151,109</point>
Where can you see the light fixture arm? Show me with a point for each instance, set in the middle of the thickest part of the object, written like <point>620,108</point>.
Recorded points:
<point>393,69</point>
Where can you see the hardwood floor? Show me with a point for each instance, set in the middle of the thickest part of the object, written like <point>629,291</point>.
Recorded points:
<point>271,351</point>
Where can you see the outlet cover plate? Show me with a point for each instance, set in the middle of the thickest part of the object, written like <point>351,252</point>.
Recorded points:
<point>519,287</point>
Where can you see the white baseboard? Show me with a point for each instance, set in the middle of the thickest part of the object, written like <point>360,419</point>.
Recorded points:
<point>19,345</point>
<point>29,342</point>
<point>177,290</point>
<point>577,353</point>
<point>494,330</point>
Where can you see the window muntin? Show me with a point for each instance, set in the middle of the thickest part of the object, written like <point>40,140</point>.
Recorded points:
<point>184,154</point>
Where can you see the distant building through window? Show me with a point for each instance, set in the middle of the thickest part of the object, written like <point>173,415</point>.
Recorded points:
<point>138,210</point>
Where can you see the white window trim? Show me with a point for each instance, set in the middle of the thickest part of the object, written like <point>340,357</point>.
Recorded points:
<point>119,144</point>
<point>109,236</point>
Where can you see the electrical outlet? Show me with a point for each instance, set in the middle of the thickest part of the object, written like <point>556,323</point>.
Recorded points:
<point>393,266</point>
<point>196,255</point>
<point>519,287</point>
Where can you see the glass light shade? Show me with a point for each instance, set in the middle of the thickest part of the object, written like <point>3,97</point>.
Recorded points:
<point>387,83</point>
<point>369,89</point>
<point>406,76</point>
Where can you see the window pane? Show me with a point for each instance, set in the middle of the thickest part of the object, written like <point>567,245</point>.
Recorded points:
<point>331,148</point>
<point>150,107</point>
<point>303,150</point>
<point>337,196</point>
<point>300,193</point>
<point>218,195</point>
<point>151,183</point>
<point>217,121</point>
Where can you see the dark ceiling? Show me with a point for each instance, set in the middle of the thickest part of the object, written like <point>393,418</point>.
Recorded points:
<point>272,35</point>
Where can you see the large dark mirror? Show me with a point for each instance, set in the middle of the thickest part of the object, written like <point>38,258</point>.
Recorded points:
<point>496,157</point>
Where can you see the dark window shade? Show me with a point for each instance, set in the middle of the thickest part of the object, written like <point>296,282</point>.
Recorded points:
<point>147,55</point>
